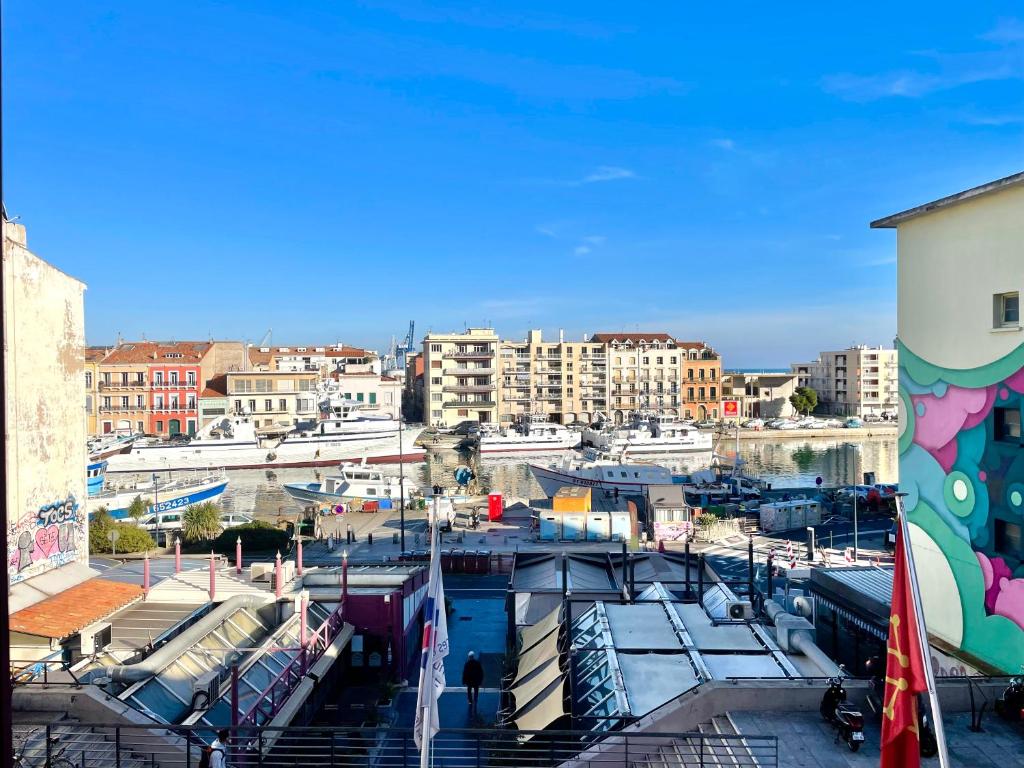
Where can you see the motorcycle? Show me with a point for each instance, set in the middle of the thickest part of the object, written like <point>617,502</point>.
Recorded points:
<point>1011,704</point>
<point>848,721</point>
<point>929,746</point>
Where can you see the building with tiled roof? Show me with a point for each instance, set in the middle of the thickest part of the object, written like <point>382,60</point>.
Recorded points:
<point>321,358</point>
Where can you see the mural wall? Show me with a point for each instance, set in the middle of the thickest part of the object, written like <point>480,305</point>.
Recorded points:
<point>962,467</point>
<point>54,536</point>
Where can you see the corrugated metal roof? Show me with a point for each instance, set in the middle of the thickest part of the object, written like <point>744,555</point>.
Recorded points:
<point>866,588</point>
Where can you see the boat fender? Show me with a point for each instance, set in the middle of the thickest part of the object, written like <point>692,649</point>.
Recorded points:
<point>271,456</point>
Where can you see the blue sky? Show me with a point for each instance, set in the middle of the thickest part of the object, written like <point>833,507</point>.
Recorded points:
<point>332,170</point>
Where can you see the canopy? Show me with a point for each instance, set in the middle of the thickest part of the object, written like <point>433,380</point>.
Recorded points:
<point>544,651</point>
<point>545,708</point>
<point>534,684</point>
<point>530,636</point>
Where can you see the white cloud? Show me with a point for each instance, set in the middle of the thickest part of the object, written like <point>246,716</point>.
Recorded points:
<point>607,173</point>
<point>581,250</point>
<point>727,144</point>
<point>1007,30</point>
<point>595,239</point>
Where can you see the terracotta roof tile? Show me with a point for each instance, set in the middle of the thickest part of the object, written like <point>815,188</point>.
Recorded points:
<point>216,387</point>
<point>73,609</point>
<point>634,337</point>
<point>95,354</point>
<point>157,352</point>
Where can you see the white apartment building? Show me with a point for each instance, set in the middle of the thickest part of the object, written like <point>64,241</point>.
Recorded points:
<point>859,381</point>
<point>459,377</point>
<point>565,381</point>
<point>273,398</point>
<point>379,395</point>
<point>760,395</point>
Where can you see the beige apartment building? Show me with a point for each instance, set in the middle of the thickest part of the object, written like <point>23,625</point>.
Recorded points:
<point>459,377</point>
<point>858,381</point>
<point>565,381</point>
<point>655,372</point>
<point>93,357</point>
<point>760,395</point>
<point>273,398</point>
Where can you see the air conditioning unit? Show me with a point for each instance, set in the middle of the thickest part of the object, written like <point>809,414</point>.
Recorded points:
<point>739,610</point>
<point>206,690</point>
<point>95,638</point>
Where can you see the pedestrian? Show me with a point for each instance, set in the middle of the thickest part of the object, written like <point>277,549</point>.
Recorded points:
<point>219,749</point>
<point>472,678</point>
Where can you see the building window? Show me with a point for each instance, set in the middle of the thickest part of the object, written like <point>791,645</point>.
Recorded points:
<point>435,347</point>
<point>435,363</point>
<point>359,397</point>
<point>106,403</point>
<point>1006,310</point>
<point>190,377</point>
<point>88,379</point>
<point>140,378</point>
<point>252,406</point>
<point>174,377</point>
<point>700,392</point>
<point>159,401</point>
<point>191,403</point>
<point>158,378</point>
<point>124,403</point>
<point>159,426</point>
<point>238,406</point>
<point>373,398</point>
<point>435,397</point>
<point>435,381</point>
<point>139,426</point>
<point>140,402</point>
<point>268,405</point>
<point>714,392</point>
<point>106,378</point>
<point>1007,425</point>
<point>88,403</point>
<point>436,414</point>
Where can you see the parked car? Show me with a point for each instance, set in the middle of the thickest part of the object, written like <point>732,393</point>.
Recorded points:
<point>887,491</point>
<point>872,417</point>
<point>706,424</point>
<point>862,491</point>
<point>753,424</point>
<point>853,423</point>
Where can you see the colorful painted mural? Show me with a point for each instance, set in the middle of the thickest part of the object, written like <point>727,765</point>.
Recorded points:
<point>962,468</point>
<point>51,537</point>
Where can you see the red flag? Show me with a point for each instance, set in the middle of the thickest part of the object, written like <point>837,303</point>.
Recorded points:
<point>904,671</point>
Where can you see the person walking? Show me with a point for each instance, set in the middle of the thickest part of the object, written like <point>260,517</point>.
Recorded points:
<point>472,678</point>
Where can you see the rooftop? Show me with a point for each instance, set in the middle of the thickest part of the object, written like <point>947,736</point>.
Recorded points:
<point>157,352</point>
<point>69,611</point>
<point>888,222</point>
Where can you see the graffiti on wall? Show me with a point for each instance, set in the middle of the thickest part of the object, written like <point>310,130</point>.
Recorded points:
<point>49,538</point>
<point>962,468</point>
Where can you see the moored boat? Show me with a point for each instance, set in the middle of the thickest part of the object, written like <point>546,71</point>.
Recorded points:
<point>159,495</point>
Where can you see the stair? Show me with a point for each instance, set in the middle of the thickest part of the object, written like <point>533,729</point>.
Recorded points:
<point>691,753</point>
<point>82,746</point>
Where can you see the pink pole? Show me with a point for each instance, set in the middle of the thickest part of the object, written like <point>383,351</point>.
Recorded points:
<point>238,555</point>
<point>303,607</point>
<point>145,577</point>
<point>177,555</point>
<point>213,579</point>
<point>344,583</point>
<point>278,586</point>
<point>298,556</point>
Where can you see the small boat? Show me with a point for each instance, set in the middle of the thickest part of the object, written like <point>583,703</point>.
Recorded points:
<point>649,434</point>
<point>95,477</point>
<point>354,481</point>
<point>175,493</point>
<point>603,473</point>
<point>104,446</point>
<point>531,434</point>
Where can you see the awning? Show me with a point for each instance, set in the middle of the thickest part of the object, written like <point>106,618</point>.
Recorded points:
<point>73,609</point>
<point>530,636</point>
<point>545,708</point>
<point>537,656</point>
<point>534,684</point>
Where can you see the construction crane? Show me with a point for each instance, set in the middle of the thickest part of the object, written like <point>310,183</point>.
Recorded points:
<point>407,345</point>
<point>266,337</point>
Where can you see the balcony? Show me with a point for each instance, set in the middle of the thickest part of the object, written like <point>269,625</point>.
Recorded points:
<point>109,385</point>
<point>468,388</point>
<point>519,397</point>
<point>463,371</point>
<point>469,354</point>
<point>469,404</point>
<point>122,408</point>
<point>171,385</point>
<point>177,408</point>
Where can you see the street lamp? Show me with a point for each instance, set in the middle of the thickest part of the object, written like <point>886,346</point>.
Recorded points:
<point>856,475</point>
<point>401,476</point>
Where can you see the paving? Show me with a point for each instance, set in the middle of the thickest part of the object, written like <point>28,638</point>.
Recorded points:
<point>806,741</point>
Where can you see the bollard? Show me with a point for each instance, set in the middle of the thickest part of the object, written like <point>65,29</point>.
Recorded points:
<point>238,555</point>
<point>369,539</point>
<point>213,578</point>
<point>278,586</point>
<point>298,556</point>
<point>344,583</point>
<point>145,578</point>
<point>394,538</point>
<point>304,620</point>
<point>330,542</point>
<point>177,555</point>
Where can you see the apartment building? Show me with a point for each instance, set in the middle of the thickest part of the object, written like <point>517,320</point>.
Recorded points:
<point>565,381</point>
<point>760,395</point>
<point>272,398</point>
<point>154,386</point>
<point>93,357</point>
<point>321,359</point>
<point>859,381</point>
<point>379,395</point>
<point>960,270</point>
<point>655,372</point>
<point>412,394</point>
<point>459,377</point>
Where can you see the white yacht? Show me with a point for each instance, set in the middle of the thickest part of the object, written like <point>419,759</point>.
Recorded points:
<point>533,434</point>
<point>160,495</point>
<point>102,446</point>
<point>649,434</point>
<point>233,442</point>
<point>353,481</point>
<point>602,472</point>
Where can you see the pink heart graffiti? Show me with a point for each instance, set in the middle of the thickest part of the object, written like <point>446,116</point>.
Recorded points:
<point>46,541</point>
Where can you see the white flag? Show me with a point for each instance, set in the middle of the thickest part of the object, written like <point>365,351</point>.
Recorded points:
<point>435,649</point>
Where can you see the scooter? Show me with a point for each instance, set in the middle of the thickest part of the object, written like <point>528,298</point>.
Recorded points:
<point>848,722</point>
<point>929,746</point>
<point>1011,704</point>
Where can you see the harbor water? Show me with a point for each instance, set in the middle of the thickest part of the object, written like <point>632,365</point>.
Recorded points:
<point>784,463</point>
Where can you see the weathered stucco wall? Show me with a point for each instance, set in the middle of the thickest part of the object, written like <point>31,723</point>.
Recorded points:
<point>44,327</point>
<point>961,391</point>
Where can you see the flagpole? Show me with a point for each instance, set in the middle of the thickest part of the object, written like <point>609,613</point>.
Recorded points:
<point>428,679</point>
<point>922,635</point>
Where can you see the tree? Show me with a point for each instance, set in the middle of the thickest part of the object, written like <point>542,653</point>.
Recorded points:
<point>257,536</point>
<point>137,508</point>
<point>201,522</point>
<point>804,400</point>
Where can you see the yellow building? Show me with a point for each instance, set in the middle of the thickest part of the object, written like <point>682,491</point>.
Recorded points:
<point>273,398</point>
<point>566,381</point>
<point>93,357</point>
<point>459,377</point>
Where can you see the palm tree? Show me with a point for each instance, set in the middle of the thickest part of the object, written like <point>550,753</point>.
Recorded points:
<point>201,522</point>
<point>137,508</point>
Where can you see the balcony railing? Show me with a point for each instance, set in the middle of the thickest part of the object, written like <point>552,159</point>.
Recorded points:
<point>469,388</point>
<point>107,385</point>
<point>469,354</point>
<point>469,404</point>
<point>462,371</point>
<point>172,385</point>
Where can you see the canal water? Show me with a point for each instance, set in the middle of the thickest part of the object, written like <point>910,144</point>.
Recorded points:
<point>784,463</point>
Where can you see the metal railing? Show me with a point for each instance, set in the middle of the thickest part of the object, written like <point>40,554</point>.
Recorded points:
<point>68,744</point>
<point>469,404</point>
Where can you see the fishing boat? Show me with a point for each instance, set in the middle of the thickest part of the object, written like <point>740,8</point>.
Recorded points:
<point>104,446</point>
<point>602,472</point>
<point>233,442</point>
<point>159,495</point>
<point>353,481</point>
<point>532,434</point>
<point>649,434</point>
<point>95,477</point>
